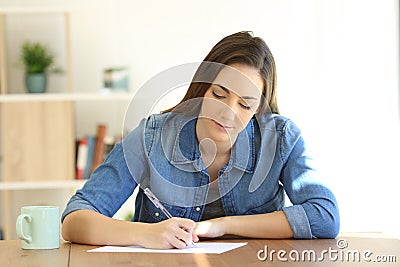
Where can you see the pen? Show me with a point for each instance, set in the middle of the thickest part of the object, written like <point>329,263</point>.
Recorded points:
<point>158,204</point>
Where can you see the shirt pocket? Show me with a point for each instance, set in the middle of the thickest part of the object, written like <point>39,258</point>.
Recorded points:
<point>153,214</point>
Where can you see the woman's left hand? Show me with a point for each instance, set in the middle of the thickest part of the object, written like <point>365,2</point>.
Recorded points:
<point>210,228</point>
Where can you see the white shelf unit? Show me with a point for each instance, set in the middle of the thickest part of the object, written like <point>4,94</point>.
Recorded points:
<point>8,188</point>
<point>64,102</point>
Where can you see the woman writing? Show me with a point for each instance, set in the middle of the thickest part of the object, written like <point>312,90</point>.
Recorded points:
<point>220,162</point>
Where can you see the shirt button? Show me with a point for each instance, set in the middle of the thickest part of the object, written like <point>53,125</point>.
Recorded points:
<point>197,208</point>
<point>157,214</point>
<point>224,174</point>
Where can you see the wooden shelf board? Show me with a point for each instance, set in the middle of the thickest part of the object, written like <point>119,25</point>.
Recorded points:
<point>24,185</point>
<point>32,10</point>
<point>6,98</point>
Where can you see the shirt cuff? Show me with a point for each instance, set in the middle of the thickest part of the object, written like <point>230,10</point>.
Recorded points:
<point>298,221</point>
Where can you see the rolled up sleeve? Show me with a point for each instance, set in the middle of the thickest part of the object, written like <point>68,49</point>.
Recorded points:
<point>315,212</point>
<point>298,221</point>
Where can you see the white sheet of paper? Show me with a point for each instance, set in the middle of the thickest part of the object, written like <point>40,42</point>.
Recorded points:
<point>201,247</point>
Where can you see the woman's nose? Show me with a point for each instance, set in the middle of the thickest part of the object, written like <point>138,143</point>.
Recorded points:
<point>228,113</point>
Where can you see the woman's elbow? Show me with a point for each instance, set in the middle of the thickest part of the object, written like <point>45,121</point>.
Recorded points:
<point>327,228</point>
<point>65,229</point>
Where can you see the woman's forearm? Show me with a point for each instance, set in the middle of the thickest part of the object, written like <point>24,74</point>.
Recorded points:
<point>89,227</point>
<point>270,225</point>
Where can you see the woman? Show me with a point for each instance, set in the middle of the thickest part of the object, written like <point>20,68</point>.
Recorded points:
<point>220,162</point>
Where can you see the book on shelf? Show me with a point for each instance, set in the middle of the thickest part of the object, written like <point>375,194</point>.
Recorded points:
<point>91,150</point>
<point>81,159</point>
<point>98,154</point>
<point>91,141</point>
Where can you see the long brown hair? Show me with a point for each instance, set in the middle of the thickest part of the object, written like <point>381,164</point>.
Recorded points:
<point>238,48</point>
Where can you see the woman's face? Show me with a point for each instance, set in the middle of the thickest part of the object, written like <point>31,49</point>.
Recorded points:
<point>230,102</point>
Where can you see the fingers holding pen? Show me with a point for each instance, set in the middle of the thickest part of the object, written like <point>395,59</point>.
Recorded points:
<point>183,229</point>
<point>179,232</point>
<point>171,233</point>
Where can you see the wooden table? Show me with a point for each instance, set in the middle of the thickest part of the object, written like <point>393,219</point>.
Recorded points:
<point>11,255</point>
<point>344,251</point>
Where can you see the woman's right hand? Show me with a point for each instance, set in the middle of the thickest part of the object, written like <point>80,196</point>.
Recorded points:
<point>171,233</point>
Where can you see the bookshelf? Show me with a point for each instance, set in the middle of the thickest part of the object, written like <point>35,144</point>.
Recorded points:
<point>38,131</point>
<point>44,181</point>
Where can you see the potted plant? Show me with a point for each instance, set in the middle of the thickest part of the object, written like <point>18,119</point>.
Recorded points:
<point>37,60</point>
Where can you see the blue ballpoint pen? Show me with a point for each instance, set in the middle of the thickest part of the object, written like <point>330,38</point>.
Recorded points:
<point>158,204</point>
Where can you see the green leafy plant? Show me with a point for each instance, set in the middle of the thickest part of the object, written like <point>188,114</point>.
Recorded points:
<point>37,58</point>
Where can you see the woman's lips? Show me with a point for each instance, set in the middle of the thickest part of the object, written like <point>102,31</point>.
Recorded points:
<point>223,127</point>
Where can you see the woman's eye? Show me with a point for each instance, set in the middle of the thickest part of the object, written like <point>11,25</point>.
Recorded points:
<point>217,95</point>
<point>244,106</point>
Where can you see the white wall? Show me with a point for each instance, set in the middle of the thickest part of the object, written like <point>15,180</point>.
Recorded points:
<point>337,74</point>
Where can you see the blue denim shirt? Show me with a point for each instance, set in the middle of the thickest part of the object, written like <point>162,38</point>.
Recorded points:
<point>268,159</point>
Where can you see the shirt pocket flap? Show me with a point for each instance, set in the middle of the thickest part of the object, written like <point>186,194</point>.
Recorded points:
<point>157,215</point>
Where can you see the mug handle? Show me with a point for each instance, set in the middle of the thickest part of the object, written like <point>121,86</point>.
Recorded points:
<point>19,228</point>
